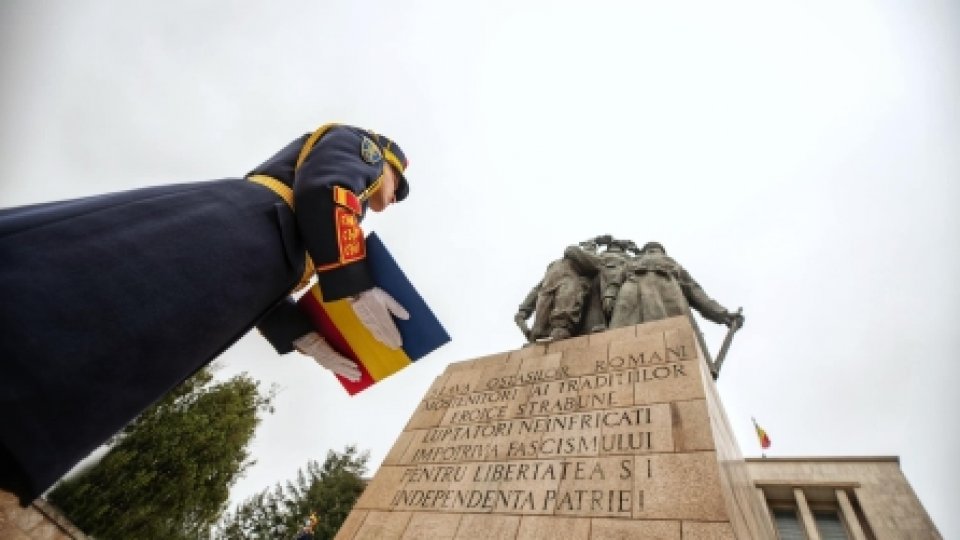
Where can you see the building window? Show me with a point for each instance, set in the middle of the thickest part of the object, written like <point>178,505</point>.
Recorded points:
<point>788,524</point>
<point>830,512</point>
<point>830,525</point>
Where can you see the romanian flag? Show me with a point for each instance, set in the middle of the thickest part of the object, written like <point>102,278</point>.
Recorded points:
<point>337,323</point>
<point>762,435</point>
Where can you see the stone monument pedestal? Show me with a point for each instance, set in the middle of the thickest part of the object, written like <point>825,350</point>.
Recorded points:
<point>619,434</point>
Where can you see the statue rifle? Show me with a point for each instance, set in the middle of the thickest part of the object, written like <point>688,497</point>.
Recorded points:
<point>703,343</point>
<point>726,343</point>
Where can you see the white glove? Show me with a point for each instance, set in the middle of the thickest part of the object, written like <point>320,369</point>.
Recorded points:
<point>373,307</point>
<point>316,347</point>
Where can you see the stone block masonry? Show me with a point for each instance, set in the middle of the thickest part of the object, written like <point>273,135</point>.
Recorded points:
<point>614,435</point>
<point>39,521</point>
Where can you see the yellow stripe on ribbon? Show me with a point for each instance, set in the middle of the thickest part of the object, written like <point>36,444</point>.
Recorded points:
<point>381,361</point>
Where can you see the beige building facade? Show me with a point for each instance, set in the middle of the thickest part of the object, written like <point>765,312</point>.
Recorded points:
<point>860,498</point>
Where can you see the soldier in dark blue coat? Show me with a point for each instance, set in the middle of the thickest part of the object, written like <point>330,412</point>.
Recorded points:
<point>110,301</point>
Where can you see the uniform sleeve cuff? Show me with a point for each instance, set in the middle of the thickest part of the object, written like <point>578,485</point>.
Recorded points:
<point>344,281</point>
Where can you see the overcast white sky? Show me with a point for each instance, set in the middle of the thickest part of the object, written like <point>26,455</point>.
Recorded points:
<point>799,159</point>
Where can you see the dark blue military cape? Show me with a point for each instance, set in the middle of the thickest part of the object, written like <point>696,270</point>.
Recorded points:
<point>108,302</point>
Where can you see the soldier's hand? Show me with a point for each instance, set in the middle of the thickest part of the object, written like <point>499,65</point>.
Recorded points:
<point>734,320</point>
<point>316,347</point>
<point>521,319</point>
<point>374,308</point>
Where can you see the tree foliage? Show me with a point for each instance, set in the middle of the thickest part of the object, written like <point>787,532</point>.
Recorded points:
<point>329,490</point>
<point>169,472</point>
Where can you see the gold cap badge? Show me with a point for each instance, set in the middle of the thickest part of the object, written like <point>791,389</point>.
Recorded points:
<point>370,152</point>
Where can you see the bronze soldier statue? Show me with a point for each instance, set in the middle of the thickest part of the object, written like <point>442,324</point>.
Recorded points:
<point>590,290</point>
<point>609,266</point>
<point>656,287</point>
<point>558,302</point>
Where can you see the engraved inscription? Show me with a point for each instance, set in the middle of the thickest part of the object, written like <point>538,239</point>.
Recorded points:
<point>616,431</point>
<point>590,487</point>
<point>558,434</point>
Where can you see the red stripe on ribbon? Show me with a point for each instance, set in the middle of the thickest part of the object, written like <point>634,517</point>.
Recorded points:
<point>322,321</point>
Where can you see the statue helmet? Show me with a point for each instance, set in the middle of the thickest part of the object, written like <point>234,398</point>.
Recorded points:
<point>615,246</point>
<point>649,245</point>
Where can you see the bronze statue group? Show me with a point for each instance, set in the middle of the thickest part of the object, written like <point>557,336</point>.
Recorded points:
<point>605,283</point>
